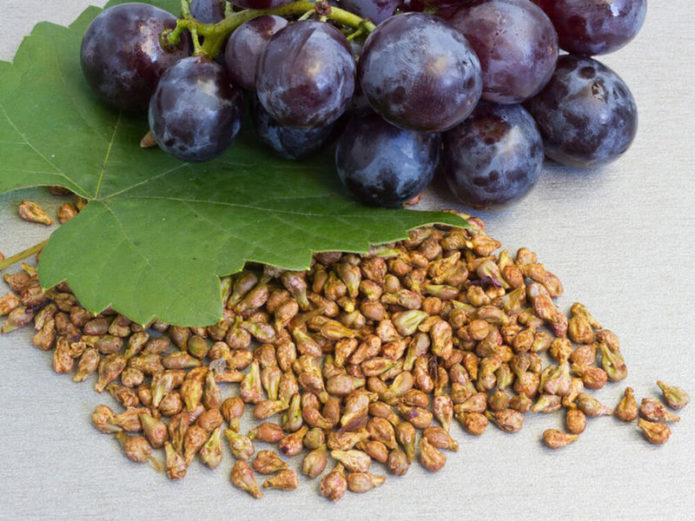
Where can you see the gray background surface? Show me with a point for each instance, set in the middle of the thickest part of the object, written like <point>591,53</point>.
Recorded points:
<point>621,240</point>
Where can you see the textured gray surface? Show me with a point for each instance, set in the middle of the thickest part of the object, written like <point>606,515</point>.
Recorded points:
<point>621,240</point>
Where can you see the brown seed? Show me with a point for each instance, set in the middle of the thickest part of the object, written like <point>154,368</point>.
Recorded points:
<point>473,422</point>
<point>174,463</point>
<point>656,433</point>
<point>556,439</point>
<point>32,212</point>
<point>363,481</point>
<point>431,458</point>
<point>575,421</point>
<point>283,480</point>
<point>155,430</point>
<point>211,453</point>
<point>591,406</point>
<point>102,419</point>
<point>507,420</point>
<point>268,462</point>
<point>315,462</point>
<point>353,460</point>
<point>267,432</point>
<point>210,420</point>
<point>675,397</point>
<point>627,409</point>
<point>334,484</point>
<point>291,445</point>
<point>397,463</point>
<point>655,411</point>
<point>241,446</point>
<point>193,441</point>
<point>243,479</point>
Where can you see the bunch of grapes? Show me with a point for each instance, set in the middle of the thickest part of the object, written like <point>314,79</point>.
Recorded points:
<point>475,90</point>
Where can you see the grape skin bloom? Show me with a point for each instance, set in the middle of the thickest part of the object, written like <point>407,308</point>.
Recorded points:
<point>306,76</point>
<point>586,114</point>
<point>593,27</point>
<point>494,157</point>
<point>245,47</point>
<point>288,142</point>
<point>516,43</point>
<point>420,73</point>
<point>383,165</point>
<point>195,113</point>
<point>122,58</point>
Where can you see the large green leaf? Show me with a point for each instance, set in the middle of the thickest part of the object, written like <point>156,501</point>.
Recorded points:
<point>158,233</point>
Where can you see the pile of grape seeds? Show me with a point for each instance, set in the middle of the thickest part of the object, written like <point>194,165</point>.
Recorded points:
<point>362,359</point>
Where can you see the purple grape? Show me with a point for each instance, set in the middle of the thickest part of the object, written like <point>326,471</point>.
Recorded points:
<point>420,73</point>
<point>383,165</point>
<point>493,157</point>
<point>208,11</point>
<point>121,55</point>
<point>376,10</point>
<point>288,142</point>
<point>306,76</point>
<point>245,46</point>
<point>260,4</point>
<point>586,114</point>
<point>195,113</point>
<point>595,26</point>
<point>516,43</point>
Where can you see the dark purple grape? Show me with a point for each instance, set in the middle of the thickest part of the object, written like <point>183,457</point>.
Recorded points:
<point>245,46</point>
<point>288,142</point>
<point>306,76</point>
<point>260,4</point>
<point>121,55</point>
<point>208,11</point>
<point>376,10</point>
<point>586,114</point>
<point>493,157</point>
<point>419,73</point>
<point>516,43</point>
<point>595,26</point>
<point>195,113</point>
<point>383,165</point>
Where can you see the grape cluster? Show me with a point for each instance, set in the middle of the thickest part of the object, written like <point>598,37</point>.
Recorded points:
<point>475,90</point>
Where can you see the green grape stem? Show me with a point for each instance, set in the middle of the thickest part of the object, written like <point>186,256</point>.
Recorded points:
<point>215,34</point>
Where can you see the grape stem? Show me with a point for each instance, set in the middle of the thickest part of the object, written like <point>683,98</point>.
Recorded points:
<point>215,34</point>
<point>23,255</point>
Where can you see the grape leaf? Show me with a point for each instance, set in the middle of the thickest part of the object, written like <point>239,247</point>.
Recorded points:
<point>157,233</point>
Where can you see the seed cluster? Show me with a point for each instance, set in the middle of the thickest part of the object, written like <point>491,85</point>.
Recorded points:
<point>360,359</point>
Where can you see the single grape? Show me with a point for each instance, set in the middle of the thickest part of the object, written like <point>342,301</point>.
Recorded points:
<point>260,4</point>
<point>208,11</point>
<point>516,43</point>
<point>195,113</point>
<point>122,58</point>
<point>383,165</point>
<point>420,73</point>
<point>376,10</point>
<point>288,142</point>
<point>306,76</point>
<point>586,114</point>
<point>245,46</point>
<point>493,157</point>
<point>595,26</point>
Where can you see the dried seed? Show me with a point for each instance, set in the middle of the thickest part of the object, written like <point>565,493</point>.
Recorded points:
<point>431,458</point>
<point>655,411</point>
<point>556,439</point>
<point>591,406</point>
<point>32,212</point>
<point>363,481</point>
<point>675,397</point>
<point>268,462</point>
<point>473,422</point>
<point>283,480</point>
<point>138,450</point>
<point>627,409</point>
<point>575,421</point>
<point>243,479</point>
<point>211,452</point>
<point>241,446</point>
<point>334,484</point>
<point>656,433</point>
